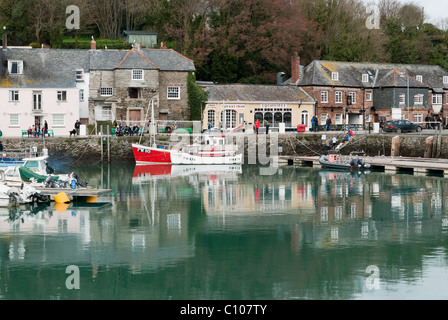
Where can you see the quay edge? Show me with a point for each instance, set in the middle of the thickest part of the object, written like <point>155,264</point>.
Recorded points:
<point>88,149</point>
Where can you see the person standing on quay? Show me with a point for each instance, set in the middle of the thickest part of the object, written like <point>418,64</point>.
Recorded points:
<point>77,125</point>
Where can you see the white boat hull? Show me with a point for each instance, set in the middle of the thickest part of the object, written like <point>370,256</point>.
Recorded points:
<point>186,158</point>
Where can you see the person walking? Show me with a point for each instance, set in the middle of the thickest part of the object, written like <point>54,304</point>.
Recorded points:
<point>266,124</point>
<point>328,124</point>
<point>313,124</point>
<point>257,126</point>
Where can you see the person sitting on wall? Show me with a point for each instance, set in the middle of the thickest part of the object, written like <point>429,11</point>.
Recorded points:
<point>348,135</point>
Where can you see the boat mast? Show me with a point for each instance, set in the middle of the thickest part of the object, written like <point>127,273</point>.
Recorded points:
<point>144,125</point>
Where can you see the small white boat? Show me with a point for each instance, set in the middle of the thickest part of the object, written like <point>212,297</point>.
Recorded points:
<point>11,196</point>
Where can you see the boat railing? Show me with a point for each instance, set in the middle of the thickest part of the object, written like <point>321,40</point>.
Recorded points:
<point>18,154</point>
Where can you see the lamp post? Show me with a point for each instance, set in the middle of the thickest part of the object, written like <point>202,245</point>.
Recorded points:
<point>409,115</point>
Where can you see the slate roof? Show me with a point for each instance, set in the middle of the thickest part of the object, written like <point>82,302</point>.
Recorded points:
<point>256,93</point>
<point>56,68</point>
<point>319,72</point>
<point>43,68</point>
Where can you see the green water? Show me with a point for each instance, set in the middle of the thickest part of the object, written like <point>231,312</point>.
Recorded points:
<point>301,233</point>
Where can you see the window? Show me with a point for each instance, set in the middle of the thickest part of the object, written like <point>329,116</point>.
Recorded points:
<point>79,75</point>
<point>62,95</point>
<point>338,97</point>
<point>368,118</point>
<point>418,99</point>
<point>352,97</point>
<point>365,77</point>
<point>437,99</point>
<point>445,79</point>
<point>137,74</point>
<point>106,91</point>
<point>133,93</point>
<point>14,120</point>
<point>418,117</point>
<point>368,96</point>
<point>15,67</point>
<point>58,120</point>
<point>81,95</point>
<point>37,101</point>
<point>419,78</point>
<point>338,118</point>
<point>324,97</point>
<point>13,95</point>
<point>402,98</point>
<point>335,76</point>
<point>229,118</point>
<point>323,118</point>
<point>173,93</point>
<point>211,118</point>
<point>305,117</point>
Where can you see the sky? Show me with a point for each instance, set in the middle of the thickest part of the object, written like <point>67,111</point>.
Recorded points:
<point>435,10</point>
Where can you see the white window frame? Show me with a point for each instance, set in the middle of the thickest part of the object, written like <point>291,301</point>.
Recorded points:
<point>79,74</point>
<point>419,78</point>
<point>19,66</point>
<point>365,77</point>
<point>323,119</point>
<point>106,91</point>
<point>81,95</point>
<point>37,104</point>
<point>14,95</point>
<point>62,95</point>
<point>418,117</point>
<point>14,120</point>
<point>437,99</point>
<point>402,99</point>
<point>445,79</point>
<point>368,118</point>
<point>369,96</point>
<point>324,97</point>
<point>353,97</point>
<point>211,118</point>
<point>418,100</point>
<point>338,97</point>
<point>58,123</point>
<point>173,93</point>
<point>335,76</point>
<point>338,118</point>
<point>138,74</point>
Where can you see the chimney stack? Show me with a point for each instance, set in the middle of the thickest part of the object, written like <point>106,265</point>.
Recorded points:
<point>93,44</point>
<point>5,39</point>
<point>295,68</point>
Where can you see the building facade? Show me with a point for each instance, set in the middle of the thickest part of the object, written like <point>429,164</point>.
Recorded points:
<point>62,86</point>
<point>362,93</point>
<point>229,106</point>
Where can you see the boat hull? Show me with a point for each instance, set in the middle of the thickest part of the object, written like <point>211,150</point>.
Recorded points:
<point>148,155</point>
<point>186,158</point>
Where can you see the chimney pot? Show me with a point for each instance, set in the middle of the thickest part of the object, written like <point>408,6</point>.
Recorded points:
<point>5,39</point>
<point>93,44</point>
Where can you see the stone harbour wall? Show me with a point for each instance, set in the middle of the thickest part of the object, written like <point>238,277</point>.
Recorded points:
<point>88,150</point>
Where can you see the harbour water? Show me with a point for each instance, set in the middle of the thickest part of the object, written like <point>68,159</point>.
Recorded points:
<point>173,233</point>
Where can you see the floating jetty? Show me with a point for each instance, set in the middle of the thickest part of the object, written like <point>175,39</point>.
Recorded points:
<point>74,195</point>
<point>382,163</point>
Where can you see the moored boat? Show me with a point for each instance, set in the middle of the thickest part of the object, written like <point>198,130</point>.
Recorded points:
<point>353,162</point>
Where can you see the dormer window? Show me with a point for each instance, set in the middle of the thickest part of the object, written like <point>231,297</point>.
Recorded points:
<point>419,78</point>
<point>365,77</point>
<point>79,75</point>
<point>15,67</point>
<point>335,76</point>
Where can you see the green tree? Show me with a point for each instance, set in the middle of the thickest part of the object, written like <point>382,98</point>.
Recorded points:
<point>196,98</point>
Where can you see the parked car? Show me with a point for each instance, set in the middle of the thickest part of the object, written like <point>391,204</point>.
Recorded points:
<point>400,126</point>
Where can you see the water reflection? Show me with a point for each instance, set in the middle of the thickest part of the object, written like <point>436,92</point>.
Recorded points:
<point>230,233</point>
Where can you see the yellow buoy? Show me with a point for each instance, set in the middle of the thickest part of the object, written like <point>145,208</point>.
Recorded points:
<point>61,207</point>
<point>91,199</point>
<point>61,198</point>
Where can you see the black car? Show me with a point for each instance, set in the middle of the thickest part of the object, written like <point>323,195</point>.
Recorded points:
<point>400,126</point>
